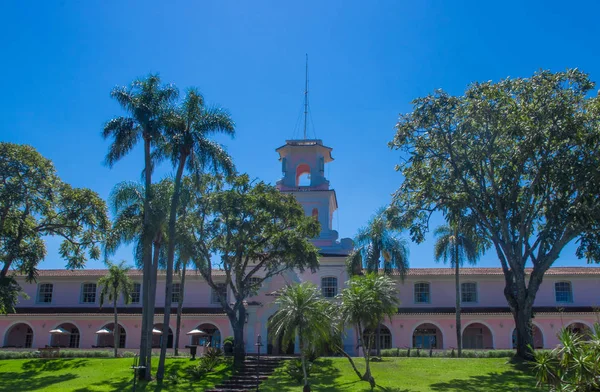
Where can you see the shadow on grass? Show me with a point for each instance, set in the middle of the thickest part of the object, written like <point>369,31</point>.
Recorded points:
<point>519,379</point>
<point>52,365</point>
<point>30,380</point>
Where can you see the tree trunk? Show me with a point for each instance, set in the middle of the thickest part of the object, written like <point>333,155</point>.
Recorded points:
<point>237,323</point>
<point>378,341</point>
<point>303,360</point>
<point>179,309</point>
<point>524,333</point>
<point>367,354</point>
<point>146,372</point>
<point>345,354</point>
<point>160,372</point>
<point>116,329</point>
<point>152,295</point>
<point>458,297</point>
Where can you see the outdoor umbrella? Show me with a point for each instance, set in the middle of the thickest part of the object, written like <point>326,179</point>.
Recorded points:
<point>59,331</point>
<point>156,331</point>
<point>103,331</point>
<point>196,331</point>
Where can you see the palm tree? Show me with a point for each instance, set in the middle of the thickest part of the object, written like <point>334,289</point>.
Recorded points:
<point>127,204</point>
<point>363,305</point>
<point>302,313</point>
<point>378,245</point>
<point>456,245</point>
<point>114,283</point>
<point>187,145</point>
<point>147,102</point>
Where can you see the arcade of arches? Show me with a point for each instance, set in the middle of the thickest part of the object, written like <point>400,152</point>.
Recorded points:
<point>18,336</point>
<point>211,337</point>
<point>68,340</point>
<point>107,340</point>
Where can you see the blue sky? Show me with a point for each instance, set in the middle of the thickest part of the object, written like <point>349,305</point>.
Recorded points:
<point>368,60</point>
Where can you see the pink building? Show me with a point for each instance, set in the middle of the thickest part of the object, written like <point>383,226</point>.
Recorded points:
<point>568,297</point>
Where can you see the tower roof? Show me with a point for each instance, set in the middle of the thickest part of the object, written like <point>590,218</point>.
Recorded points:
<point>304,143</point>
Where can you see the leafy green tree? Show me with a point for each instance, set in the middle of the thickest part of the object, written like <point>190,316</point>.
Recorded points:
<point>573,366</point>
<point>523,157</point>
<point>127,204</point>
<point>188,145</point>
<point>116,282</point>
<point>455,244</point>
<point>35,203</point>
<point>147,103</point>
<point>258,232</point>
<point>378,245</point>
<point>364,304</point>
<point>302,313</point>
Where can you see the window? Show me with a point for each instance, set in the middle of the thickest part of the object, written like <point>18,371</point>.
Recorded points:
<point>329,287</point>
<point>563,292</point>
<point>468,292</point>
<point>88,293</point>
<point>45,293</point>
<point>175,294</point>
<point>29,338</point>
<point>136,293</point>
<point>315,214</point>
<point>385,338</point>
<point>422,293</point>
<point>222,288</point>
<point>74,338</point>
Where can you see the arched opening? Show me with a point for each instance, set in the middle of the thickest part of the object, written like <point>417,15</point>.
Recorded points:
<point>69,339</point>
<point>477,336</point>
<point>385,338</point>
<point>158,337</point>
<point>303,175</point>
<point>538,338</point>
<point>275,344</point>
<point>428,335</point>
<point>580,328</point>
<point>18,336</point>
<point>212,336</point>
<point>315,213</point>
<point>106,340</point>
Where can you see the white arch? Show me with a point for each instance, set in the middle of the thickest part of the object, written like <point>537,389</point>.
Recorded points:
<point>482,323</point>
<point>208,322</point>
<point>412,332</point>
<point>514,328</point>
<point>389,329</point>
<point>568,323</point>
<point>122,326</point>
<point>10,326</point>
<point>66,322</point>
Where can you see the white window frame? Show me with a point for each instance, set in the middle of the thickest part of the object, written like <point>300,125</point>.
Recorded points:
<point>570,291</point>
<point>428,292</point>
<point>37,297</point>
<point>214,299</point>
<point>139,293</point>
<point>82,296</point>
<point>176,292</point>
<point>323,287</point>
<point>476,293</point>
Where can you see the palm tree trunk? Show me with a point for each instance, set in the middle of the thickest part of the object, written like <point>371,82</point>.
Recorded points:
<point>378,343</point>
<point>179,309</point>
<point>457,284</point>
<point>152,304</point>
<point>116,328</point>
<point>146,261</point>
<point>303,360</point>
<point>170,259</point>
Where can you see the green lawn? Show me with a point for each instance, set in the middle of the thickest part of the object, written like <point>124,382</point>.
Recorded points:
<point>93,374</point>
<point>329,374</point>
<point>414,374</point>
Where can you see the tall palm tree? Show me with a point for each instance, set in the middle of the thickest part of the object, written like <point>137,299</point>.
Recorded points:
<point>364,304</point>
<point>113,284</point>
<point>188,145</point>
<point>127,204</point>
<point>147,102</point>
<point>378,245</point>
<point>302,313</point>
<point>455,246</point>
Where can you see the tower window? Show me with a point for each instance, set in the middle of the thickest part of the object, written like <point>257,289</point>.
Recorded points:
<point>315,214</point>
<point>303,175</point>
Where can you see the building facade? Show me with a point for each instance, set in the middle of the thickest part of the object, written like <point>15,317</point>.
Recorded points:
<point>568,297</point>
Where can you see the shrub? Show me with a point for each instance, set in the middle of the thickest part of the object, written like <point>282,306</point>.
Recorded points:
<point>293,368</point>
<point>573,366</point>
<point>66,354</point>
<point>452,353</point>
<point>213,353</point>
<point>228,339</point>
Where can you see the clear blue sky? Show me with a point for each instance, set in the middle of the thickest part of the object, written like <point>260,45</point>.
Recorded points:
<point>368,60</point>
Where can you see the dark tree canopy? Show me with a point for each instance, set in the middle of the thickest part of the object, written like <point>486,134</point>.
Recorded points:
<point>35,203</point>
<point>522,156</point>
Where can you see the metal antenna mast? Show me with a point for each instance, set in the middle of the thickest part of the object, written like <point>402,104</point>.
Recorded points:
<point>306,98</point>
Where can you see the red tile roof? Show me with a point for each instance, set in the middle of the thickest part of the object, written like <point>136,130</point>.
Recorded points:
<point>411,272</point>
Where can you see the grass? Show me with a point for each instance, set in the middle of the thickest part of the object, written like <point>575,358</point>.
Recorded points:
<point>96,374</point>
<point>412,375</point>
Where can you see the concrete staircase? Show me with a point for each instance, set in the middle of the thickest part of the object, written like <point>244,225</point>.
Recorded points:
<point>245,378</point>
